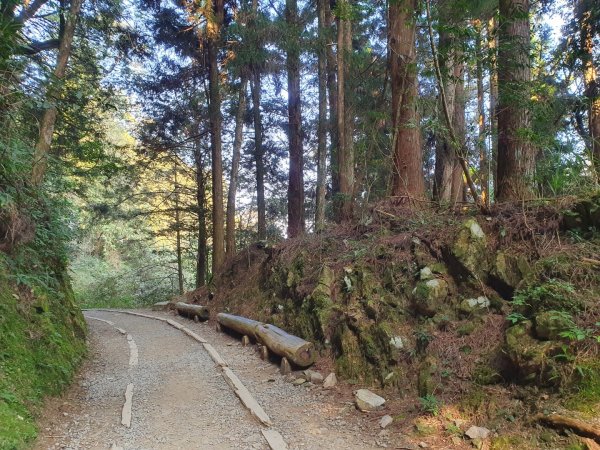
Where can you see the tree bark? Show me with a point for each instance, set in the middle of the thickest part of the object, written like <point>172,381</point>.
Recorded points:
<point>516,155</point>
<point>214,23</point>
<point>259,154</point>
<point>333,100</point>
<point>484,165</point>
<point>588,13</point>
<point>48,120</point>
<point>202,251</point>
<point>322,124</point>
<point>178,238</point>
<point>296,163</point>
<point>492,35</point>
<point>407,152</point>
<point>235,165</point>
<point>344,199</point>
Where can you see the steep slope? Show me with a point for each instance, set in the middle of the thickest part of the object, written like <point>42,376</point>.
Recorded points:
<point>450,307</point>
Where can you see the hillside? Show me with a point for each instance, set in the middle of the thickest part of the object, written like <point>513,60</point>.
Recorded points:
<point>496,315</point>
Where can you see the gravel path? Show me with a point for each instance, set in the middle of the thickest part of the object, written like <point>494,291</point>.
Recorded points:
<point>181,400</point>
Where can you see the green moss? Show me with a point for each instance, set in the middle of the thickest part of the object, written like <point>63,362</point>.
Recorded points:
<point>41,344</point>
<point>586,398</point>
<point>470,248</point>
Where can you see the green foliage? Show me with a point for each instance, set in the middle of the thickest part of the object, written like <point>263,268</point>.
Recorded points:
<point>553,294</point>
<point>430,404</point>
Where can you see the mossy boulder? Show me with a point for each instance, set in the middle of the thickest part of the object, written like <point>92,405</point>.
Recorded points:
<point>476,305</point>
<point>430,297</point>
<point>510,269</point>
<point>550,324</point>
<point>532,360</point>
<point>470,248</point>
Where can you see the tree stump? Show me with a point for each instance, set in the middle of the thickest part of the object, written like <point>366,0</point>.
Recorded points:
<point>264,352</point>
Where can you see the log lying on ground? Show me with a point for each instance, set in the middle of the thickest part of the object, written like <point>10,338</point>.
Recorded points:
<point>192,311</point>
<point>295,349</point>
<point>577,426</point>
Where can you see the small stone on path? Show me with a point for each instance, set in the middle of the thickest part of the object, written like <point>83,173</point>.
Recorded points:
<point>385,421</point>
<point>368,401</point>
<point>330,381</point>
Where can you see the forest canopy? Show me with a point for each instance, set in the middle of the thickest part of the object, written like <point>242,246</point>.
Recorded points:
<point>166,136</point>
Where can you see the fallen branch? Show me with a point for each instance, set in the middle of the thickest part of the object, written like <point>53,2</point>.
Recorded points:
<point>577,426</point>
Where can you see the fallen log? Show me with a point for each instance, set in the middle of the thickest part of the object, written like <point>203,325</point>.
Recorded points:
<point>192,311</point>
<point>295,349</point>
<point>239,324</point>
<point>577,426</point>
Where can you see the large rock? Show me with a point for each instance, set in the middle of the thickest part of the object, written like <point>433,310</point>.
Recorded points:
<point>533,360</point>
<point>474,305</point>
<point>368,401</point>
<point>470,248</point>
<point>510,269</point>
<point>477,432</point>
<point>429,297</point>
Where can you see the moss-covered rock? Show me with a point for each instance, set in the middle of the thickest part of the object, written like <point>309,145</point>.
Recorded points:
<point>532,360</point>
<point>510,269</point>
<point>550,324</point>
<point>429,297</point>
<point>476,305</point>
<point>426,377</point>
<point>469,248</point>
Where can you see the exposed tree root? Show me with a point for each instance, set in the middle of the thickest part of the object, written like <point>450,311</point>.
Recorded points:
<point>577,426</point>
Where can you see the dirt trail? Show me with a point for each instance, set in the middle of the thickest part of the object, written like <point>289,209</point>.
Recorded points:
<point>181,401</point>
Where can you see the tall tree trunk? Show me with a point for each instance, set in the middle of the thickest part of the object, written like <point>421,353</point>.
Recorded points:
<point>445,154</point>
<point>48,120</point>
<point>459,190</point>
<point>322,125</point>
<point>516,156</point>
<point>407,152</point>
<point>259,154</point>
<point>484,168</point>
<point>202,252</point>
<point>235,165</point>
<point>178,238</point>
<point>296,170</point>
<point>344,199</point>
<point>588,15</point>
<point>214,22</point>
<point>333,100</point>
<point>492,35</point>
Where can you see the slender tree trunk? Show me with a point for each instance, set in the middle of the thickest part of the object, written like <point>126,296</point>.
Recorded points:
<point>458,123</point>
<point>493,56</point>
<point>259,155</point>
<point>48,120</point>
<point>407,152</point>
<point>202,252</point>
<point>344,199</point>
<point>516,156</point>
<point>322,125</point>
<point>588,15</point>
<point>235,165</point>
<point>215,12</point>
<point>445,155</point>
<point>296,171</point>
<point>333,100</point>
<point>178,238</point>
<point>484,168</point>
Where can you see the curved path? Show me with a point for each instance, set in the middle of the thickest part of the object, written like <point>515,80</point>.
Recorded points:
<point>148,385</point>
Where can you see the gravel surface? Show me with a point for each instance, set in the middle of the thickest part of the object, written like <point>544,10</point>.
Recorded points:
<point>181,401</point>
